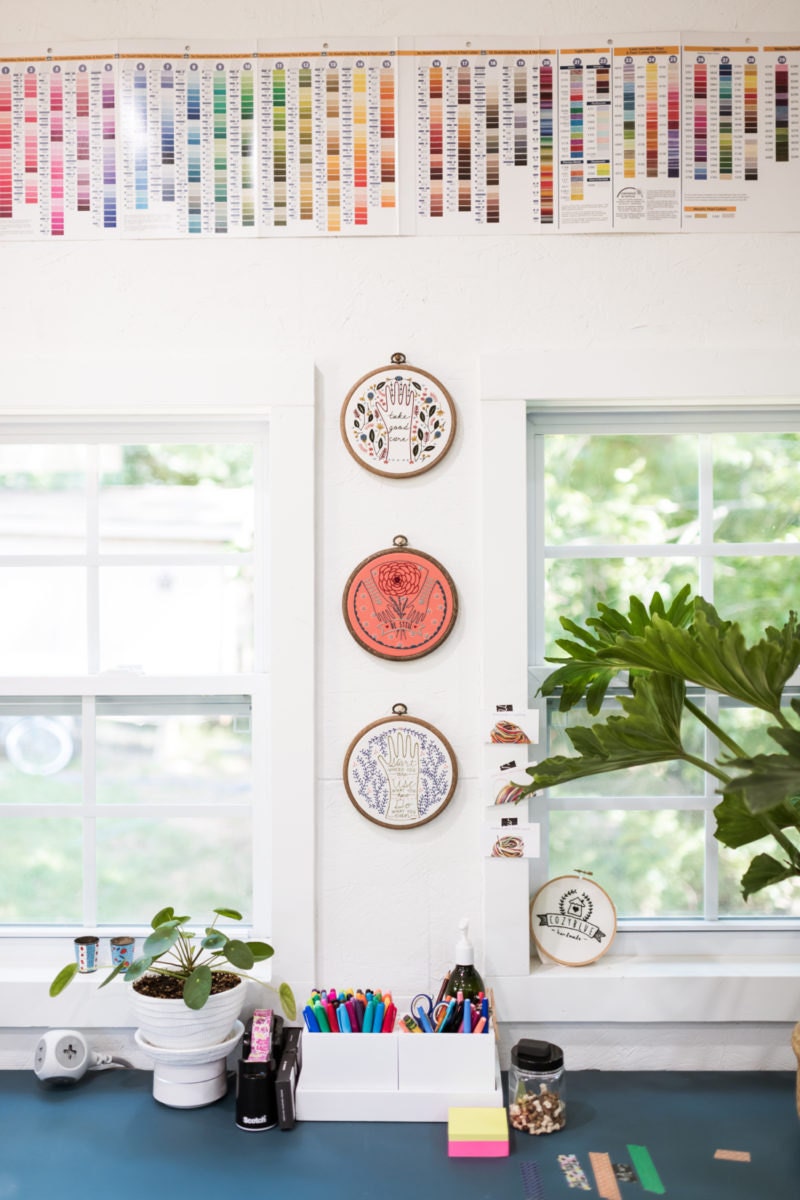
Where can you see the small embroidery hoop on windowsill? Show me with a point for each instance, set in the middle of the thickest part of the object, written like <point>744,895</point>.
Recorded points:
<point>573,920</point>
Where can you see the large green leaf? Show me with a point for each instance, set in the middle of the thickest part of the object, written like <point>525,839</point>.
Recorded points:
<point>769,780</point>
<point>137,969</point>
<point>260,950</point>
<point>162,938</point>
<point>165,914</point>
<point>288,1002</point>
<point>231,913</point>
<point>118,969</point>
<point>713,653</point>
<point>64,976</point>
<point>240,955</point>
<point>763,871</point>
<point>197,988</point>
<point>649,732</point>
<point>584,671</point>
<point>737,826</point>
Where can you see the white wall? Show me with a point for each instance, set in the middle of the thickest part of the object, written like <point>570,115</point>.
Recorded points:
<point>348,305</point>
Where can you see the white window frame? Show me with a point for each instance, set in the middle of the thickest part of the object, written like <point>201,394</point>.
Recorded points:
<point>679,973</point>
<point>284,761</point>
<point>705,423</point>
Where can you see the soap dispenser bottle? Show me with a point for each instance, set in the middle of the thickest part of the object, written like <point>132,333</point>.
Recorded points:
<point>464,977</point>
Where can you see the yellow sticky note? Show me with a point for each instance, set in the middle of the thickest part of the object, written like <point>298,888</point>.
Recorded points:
<point>477,1125</point>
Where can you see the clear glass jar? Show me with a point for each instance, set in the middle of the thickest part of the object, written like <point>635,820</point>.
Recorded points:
<point>536,1087</point>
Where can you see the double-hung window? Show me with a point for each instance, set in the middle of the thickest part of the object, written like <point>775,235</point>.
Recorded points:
<point>625,503</point>
<point>134,672</point>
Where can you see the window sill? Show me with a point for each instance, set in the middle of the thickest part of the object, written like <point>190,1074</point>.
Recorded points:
<point>25,1001</point>
<point>636,988</point>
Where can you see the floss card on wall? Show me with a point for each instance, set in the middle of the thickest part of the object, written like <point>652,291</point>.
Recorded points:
<point>510,837</point>
<point>518,727</point>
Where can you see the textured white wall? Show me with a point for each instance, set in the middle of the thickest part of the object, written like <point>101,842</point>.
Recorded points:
<point>388,902</point>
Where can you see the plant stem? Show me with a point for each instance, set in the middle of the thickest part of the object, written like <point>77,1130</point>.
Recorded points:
<point>718,733</point>
<point>706,766</point>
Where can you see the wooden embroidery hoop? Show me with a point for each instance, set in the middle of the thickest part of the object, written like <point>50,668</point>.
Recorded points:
<point>399,545</point>
<point>584,880</point>
<point>400,715</point>
<point>390,370</point>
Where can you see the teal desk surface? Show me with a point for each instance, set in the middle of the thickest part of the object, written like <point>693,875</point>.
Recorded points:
<point>107,1137</point>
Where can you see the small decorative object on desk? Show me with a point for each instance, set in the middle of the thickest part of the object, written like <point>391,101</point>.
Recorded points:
<point>86,952</point>
<point>536,1087</point>
<point>573,920</point>
<point>400,603</point>
<point>398,421</point>
<point>400,772</point>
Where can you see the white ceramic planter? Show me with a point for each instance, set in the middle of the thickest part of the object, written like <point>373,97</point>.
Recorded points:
<point>169,1023</point>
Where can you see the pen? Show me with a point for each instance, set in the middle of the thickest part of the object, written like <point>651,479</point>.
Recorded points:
<point>479,1028</point>
<point>322,1019</point>
<point>377,1020</point>
<point>440,1028</point>
<point>388,1020</point>
<point>467,1024</point>
<point>422,1017</point>
<point>344,1019</point>
<point>312,1024</point>
<point>368,1016</point>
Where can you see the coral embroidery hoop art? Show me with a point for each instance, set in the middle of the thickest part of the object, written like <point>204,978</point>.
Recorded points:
<point>400,772</point>
<point>400,603</point>
<point>398,421</point>
<point>573,920</point>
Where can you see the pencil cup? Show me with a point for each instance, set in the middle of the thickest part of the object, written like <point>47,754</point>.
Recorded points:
<point>122,950</point>
<point>86,948</point>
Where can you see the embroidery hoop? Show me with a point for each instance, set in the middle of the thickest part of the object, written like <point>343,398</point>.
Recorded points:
<point>359,631</point>
<point>377,379</point>
<point>552,894</point>
<point>401,721</point>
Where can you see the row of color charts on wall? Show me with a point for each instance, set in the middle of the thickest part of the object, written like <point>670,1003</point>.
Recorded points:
<point>359,137</point>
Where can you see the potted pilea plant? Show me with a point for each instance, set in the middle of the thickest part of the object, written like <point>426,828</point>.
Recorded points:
<point>204,977</point>
<point>663,650</point>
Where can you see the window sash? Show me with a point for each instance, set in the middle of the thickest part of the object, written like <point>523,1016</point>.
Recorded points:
<point>86,692</point>
<point>704,423</point>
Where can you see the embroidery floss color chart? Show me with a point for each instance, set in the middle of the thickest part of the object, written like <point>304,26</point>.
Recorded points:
<point>365,136</point>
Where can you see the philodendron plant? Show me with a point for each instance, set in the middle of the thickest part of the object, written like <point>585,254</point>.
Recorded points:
<point>171,951</point>
<point>664,649</point>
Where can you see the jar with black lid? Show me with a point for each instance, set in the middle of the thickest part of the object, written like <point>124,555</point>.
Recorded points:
<point>536,1087</point>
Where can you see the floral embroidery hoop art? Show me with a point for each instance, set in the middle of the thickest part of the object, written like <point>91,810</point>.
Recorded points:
<point>400,772</point>
<point>400,603</point>
<point>398,421</point>
<point>573,920</point>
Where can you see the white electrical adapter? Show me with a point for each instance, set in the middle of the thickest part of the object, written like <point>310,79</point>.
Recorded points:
<point>64,1054</point>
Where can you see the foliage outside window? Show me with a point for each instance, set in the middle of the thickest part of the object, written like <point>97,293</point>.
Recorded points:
<point>132,660</point>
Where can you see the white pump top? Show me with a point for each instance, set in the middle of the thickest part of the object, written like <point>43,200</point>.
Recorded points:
<point>465,954</point>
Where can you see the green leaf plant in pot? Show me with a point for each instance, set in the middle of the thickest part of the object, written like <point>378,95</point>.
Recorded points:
<point>188,993</point>
<point>664,650</point>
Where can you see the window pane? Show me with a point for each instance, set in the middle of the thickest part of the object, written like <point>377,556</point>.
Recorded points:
<point>756,498</point>
<point>176,499</point>
<point>756,592</point>
<point>43,630</point>
<point>574,586</point>
<point>650,863</point>
<point>157,759</point>
<point>620,489</point>
<point>659,779</point>
<point>196,864</point>
<point>40,866</point>
<point>40,758</point>
<point>42,499</point>
<point>176,620</point>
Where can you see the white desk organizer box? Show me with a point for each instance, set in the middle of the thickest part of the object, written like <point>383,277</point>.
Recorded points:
<point>396,1076</point>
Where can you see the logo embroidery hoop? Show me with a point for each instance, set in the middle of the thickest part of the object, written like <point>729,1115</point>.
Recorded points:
<point>573,920</point>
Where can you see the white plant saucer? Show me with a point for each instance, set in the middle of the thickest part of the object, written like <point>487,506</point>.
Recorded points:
<point>193,1077</point>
